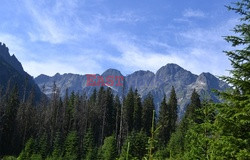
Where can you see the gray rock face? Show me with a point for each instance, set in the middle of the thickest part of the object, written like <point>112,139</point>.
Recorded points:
<point>12,60</point>
<point>12,73</point>
<point>72,82</point>
<point>145,82</point>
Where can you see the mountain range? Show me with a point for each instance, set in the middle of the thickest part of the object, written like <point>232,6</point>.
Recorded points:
<point>158,84</point>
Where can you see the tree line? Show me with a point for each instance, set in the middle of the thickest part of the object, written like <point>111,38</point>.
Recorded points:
<point>104,126</point>
<point>77,127</point>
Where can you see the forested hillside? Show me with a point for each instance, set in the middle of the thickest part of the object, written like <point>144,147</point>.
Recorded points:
<point>106,127</point>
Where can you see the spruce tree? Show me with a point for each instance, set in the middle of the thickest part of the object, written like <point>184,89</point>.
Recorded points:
<point>164,123</point>
<point>71,146</point>
<point>147,113</point>
<point>172,103</point>
<point>109,150</point>
<point>117,106</point>
<point>137,116</point>
<point>193,116</point>
<point>70,109</point>
<point>9,123</point>
<point>129,110</point>
<point>57,146</point>
<point>109,114</point>
<point>43,146</point>
<point>234,115</point>
<point>88,144</point>
<point>137,146</point>
<point>192,107</point>
<point>26,118</point>
<point>199,136</point>
<point>28,150</point>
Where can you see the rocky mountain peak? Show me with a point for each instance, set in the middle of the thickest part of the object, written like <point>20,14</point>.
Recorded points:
<point>11,69</point>
<point>4,49</point>
<point>42,78</point>
<point>112,72</point>
<point>170,69</point>
<point>174,73</point>
<point>12,60</point>
<point>142,73</point>
<point>211,81</point>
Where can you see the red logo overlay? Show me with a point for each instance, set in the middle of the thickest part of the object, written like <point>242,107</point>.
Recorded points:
<point>94,80</point>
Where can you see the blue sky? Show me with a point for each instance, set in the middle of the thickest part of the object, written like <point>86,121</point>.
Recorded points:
<point>90,36</point>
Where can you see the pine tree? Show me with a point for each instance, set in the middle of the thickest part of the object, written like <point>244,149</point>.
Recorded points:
<point>108,115</point>
<point>43,146</point>
<point>9,123</point>
<point>109,150</point>
<point>137,116</point>
<point>147,113</point>
<point>129,110</point>
<point>95,114</point>
<point>192,107</point>
<point>233,119</point>
<point>25,118</point>
<point>193,116</point>
<point>137,146</point>
<point>199,136</point>
<point>172,103</point>
<point>71,146</point>
<point>53,113</point>
<point>70,110</point>
<point>117,106</point>
<point>57,147</point>
<point>88,144</point>
<point>28,150</point>
<point>164,123</point>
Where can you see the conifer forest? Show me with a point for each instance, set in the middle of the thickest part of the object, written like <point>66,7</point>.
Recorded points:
<point>106,126</point>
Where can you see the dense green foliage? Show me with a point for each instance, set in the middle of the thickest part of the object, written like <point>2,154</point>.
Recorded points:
<point>104,127</point>
<point>109,149</point>
<point>221,131</point>
<point>137,148</point>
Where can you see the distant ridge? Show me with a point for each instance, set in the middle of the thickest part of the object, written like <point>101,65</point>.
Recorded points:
<point>145,82</point>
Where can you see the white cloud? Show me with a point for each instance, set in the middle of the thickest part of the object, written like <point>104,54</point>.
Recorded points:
<point>17,47</point>
<point>209,37</point>
<point>197,60</point>
<point>122,17</point>
<point>202,51</point>
<point>14,43</point>
<point>81,64</point>
<point>57,23</point>
<point>137,57</point>
<point>87,61</point>
<point>189,13</point>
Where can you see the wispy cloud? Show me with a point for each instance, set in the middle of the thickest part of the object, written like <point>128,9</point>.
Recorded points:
<point>136,57</point>
<point>203,51</point>
<point>122,17</point>
<point>17,46</point>
<point>80,64</point>
<point>56,22</point>
<point>14,43</point>
<point>209,37</point>
<point>205,46</point>
<point>189,13</point>
<point>89,36</point>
